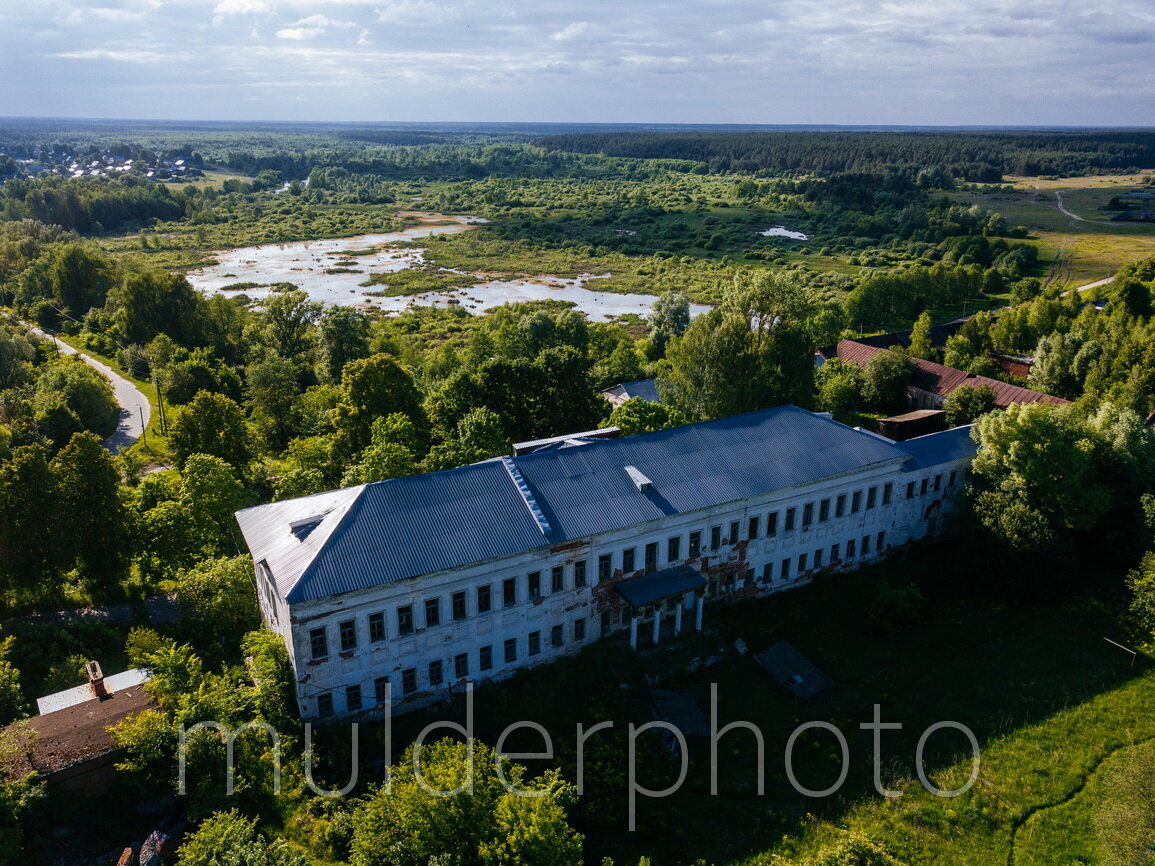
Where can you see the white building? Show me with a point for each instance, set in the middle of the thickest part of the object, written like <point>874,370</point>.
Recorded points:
<point>426,582</point>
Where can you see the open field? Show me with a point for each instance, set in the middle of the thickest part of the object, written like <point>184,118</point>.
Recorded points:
<point>1075,251</point>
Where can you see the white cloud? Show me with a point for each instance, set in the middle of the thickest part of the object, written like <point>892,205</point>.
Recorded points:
<point>573,30</point>
<point>299,33</point>
<point>414,12</point>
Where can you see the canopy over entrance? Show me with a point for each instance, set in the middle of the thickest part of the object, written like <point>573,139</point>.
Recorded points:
<point>659,585</point>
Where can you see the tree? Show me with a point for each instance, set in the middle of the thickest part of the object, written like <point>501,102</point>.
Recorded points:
<point>1133,296</point>
<point>644,416</point>
<point>669,318</point>
<point>81,279</point>
<point>1054,369</point>
<point>289,321</point>
<point>884,380</point>
<point>13,706</point>
<point>921,345</point>
<point>478,436</point>
<point>211,424</point>
<point>212,493</point>
<point>151,302</point>
<point>406,825</point>
<point>839,387</point>
<point>374,387</point>
<point>83,390</point>
<point>219,592</point>
<point>752,352</point>
<point>88,492</point>
<point>29,511</point>
<point>967,403</point>
<point>342,336</point>
<point>272,391</point>
<point>1141,582</point>
<point>231,839</point>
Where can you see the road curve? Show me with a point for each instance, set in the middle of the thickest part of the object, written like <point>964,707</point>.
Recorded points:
<point>135,410</point>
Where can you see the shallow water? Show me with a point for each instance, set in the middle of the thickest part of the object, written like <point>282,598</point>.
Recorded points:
<point>783,232</point>
<point>304,264</point>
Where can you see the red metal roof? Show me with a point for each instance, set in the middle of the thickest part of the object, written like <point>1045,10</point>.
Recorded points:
<point>941,380</point>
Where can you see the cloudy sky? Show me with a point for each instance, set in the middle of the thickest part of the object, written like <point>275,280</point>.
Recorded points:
<point>1012,62</point>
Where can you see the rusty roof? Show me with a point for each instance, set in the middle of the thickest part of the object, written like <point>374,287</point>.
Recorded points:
<point>942,380</point>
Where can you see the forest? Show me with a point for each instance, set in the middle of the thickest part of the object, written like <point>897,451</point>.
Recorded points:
<point>257,399</point>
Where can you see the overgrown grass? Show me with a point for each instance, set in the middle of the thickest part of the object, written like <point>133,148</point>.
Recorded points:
<point>1046,696</point>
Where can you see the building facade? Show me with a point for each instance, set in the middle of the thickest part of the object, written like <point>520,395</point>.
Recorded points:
<point>410,588</point>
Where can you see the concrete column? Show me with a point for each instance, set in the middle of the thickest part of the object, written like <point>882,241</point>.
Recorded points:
<point>657,624</point>
<point>678,617</point>
<point>634,632</point>
<point>698,612</point>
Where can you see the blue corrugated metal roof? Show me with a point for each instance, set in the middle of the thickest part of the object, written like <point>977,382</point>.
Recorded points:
<point>406,527</point>
<point>934,449</point>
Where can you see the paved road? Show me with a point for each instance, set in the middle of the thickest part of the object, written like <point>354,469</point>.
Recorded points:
<point>135,410</point>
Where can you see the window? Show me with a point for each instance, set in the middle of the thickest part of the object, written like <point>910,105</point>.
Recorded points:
<point>405,619</point>
<point>728,581</point>
<point>509,591</point>
<point>735,531</point>
<point>605,566</point>
<point>579,574</point>
<point>887,493</point>
<point>461,665</point>
<point>768,572</point>
<point>807,514</point>
<point>824,511</point>
<point>533,583</point>
<point>748,576</point>
<point>353,698</point>
<point>436,673</point>
<point>953,478</point>
<point>923,487</point>
<point>840,505</point>
<point>752,528</point>
<point>673,548</point>
<point>715,537</point>
<point>801,563</point>
<point>865,545</point>
<point>695,542</point>
<point>579,629</point>
<point>785,570</point>
<point>850,551</point>
<point>409,681</point>
<point>376,627</point>
<point>789,527</point>
<point>556,636</point>
<point>910,490</point>
<point>534,642</point>
<point>872,497</point>
<point>818,558</point>
<point>485,658</point>
<point>381,690</point>
<point>628,560</point>
<point>484,599</point>
<point>772,523</point>
<point>856,502</point>
<point>458,605</point>
<point>348,632</point>
<point>834,557</point>
<point>880,542</point>
<point>652,556</point>
<point>319,644</point>
<point>938,482</point>
<point>432,612</point>
<point>325,706</point>
<point>607,621</point>
<point>511,650</point>
<point>557,578</point>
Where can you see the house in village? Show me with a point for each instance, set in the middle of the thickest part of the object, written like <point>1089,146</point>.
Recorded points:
<point>931,383</point>
<point>645,389</point>
<point>402,591</point>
